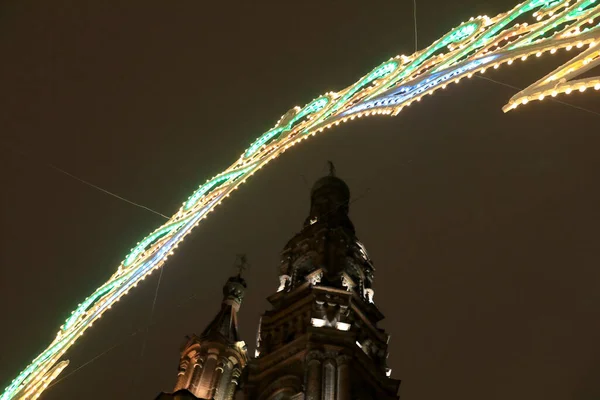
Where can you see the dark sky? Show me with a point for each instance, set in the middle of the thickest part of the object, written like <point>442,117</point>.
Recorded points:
<point>483,226</point>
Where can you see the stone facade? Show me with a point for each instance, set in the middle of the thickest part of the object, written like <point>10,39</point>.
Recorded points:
<point>320,339</point>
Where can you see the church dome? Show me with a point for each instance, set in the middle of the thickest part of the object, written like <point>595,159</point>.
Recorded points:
<point>331,184</point>
<point>330,202</point>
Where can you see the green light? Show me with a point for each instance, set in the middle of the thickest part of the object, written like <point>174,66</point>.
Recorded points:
<point>462,32</point>
<point>264,139</point>
<point>150,239</point>
<point>313,107</point>
<point>88,302</point>
<point>207,187</point>
<point>380,72</point>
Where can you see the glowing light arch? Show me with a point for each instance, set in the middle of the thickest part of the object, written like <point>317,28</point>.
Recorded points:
<point>470,48</point>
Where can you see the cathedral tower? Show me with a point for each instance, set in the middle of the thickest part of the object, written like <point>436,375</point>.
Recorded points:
<point>211,364</point>
<point>320,340</point>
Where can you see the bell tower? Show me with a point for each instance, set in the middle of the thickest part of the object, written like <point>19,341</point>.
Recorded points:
<point>320,339</point>
<point>211,364</point>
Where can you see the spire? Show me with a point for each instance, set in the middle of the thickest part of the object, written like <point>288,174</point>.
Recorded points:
<point>331,168</point>
<point>225,324</point>
<point>241,263</point>
<point>211,364</point>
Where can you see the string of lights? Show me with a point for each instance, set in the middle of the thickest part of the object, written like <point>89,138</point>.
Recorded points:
<point>472,47</point>
<point>553,99</point>
<point>166,318</point>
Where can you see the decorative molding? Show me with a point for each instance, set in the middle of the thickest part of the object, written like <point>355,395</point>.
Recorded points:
<point>284,280</point>
<point>343,359</point>
<point>347,282</point>
<point>315,277</point>
<point>314,355</point>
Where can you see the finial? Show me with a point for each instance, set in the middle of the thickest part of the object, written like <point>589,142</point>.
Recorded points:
<point>331,168</point>
<point>241,263</point>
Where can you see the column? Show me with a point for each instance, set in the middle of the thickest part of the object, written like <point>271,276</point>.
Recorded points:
<point>207,374</point>
<point>313,375</point>
<point>343,377</point>
<point>225,380</point>
<point>216,379</point>
<point>183,374</point>
<point>195,374</point>
<point>329,381</point>
<point>235,376</point>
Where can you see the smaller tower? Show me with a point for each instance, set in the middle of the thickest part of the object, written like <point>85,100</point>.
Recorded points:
<point>211,364</point>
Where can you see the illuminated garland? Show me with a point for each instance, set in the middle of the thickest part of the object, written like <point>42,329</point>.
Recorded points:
<point>470,48</point>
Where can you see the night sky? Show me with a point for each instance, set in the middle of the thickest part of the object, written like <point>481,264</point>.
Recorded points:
<point>483,226</point>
